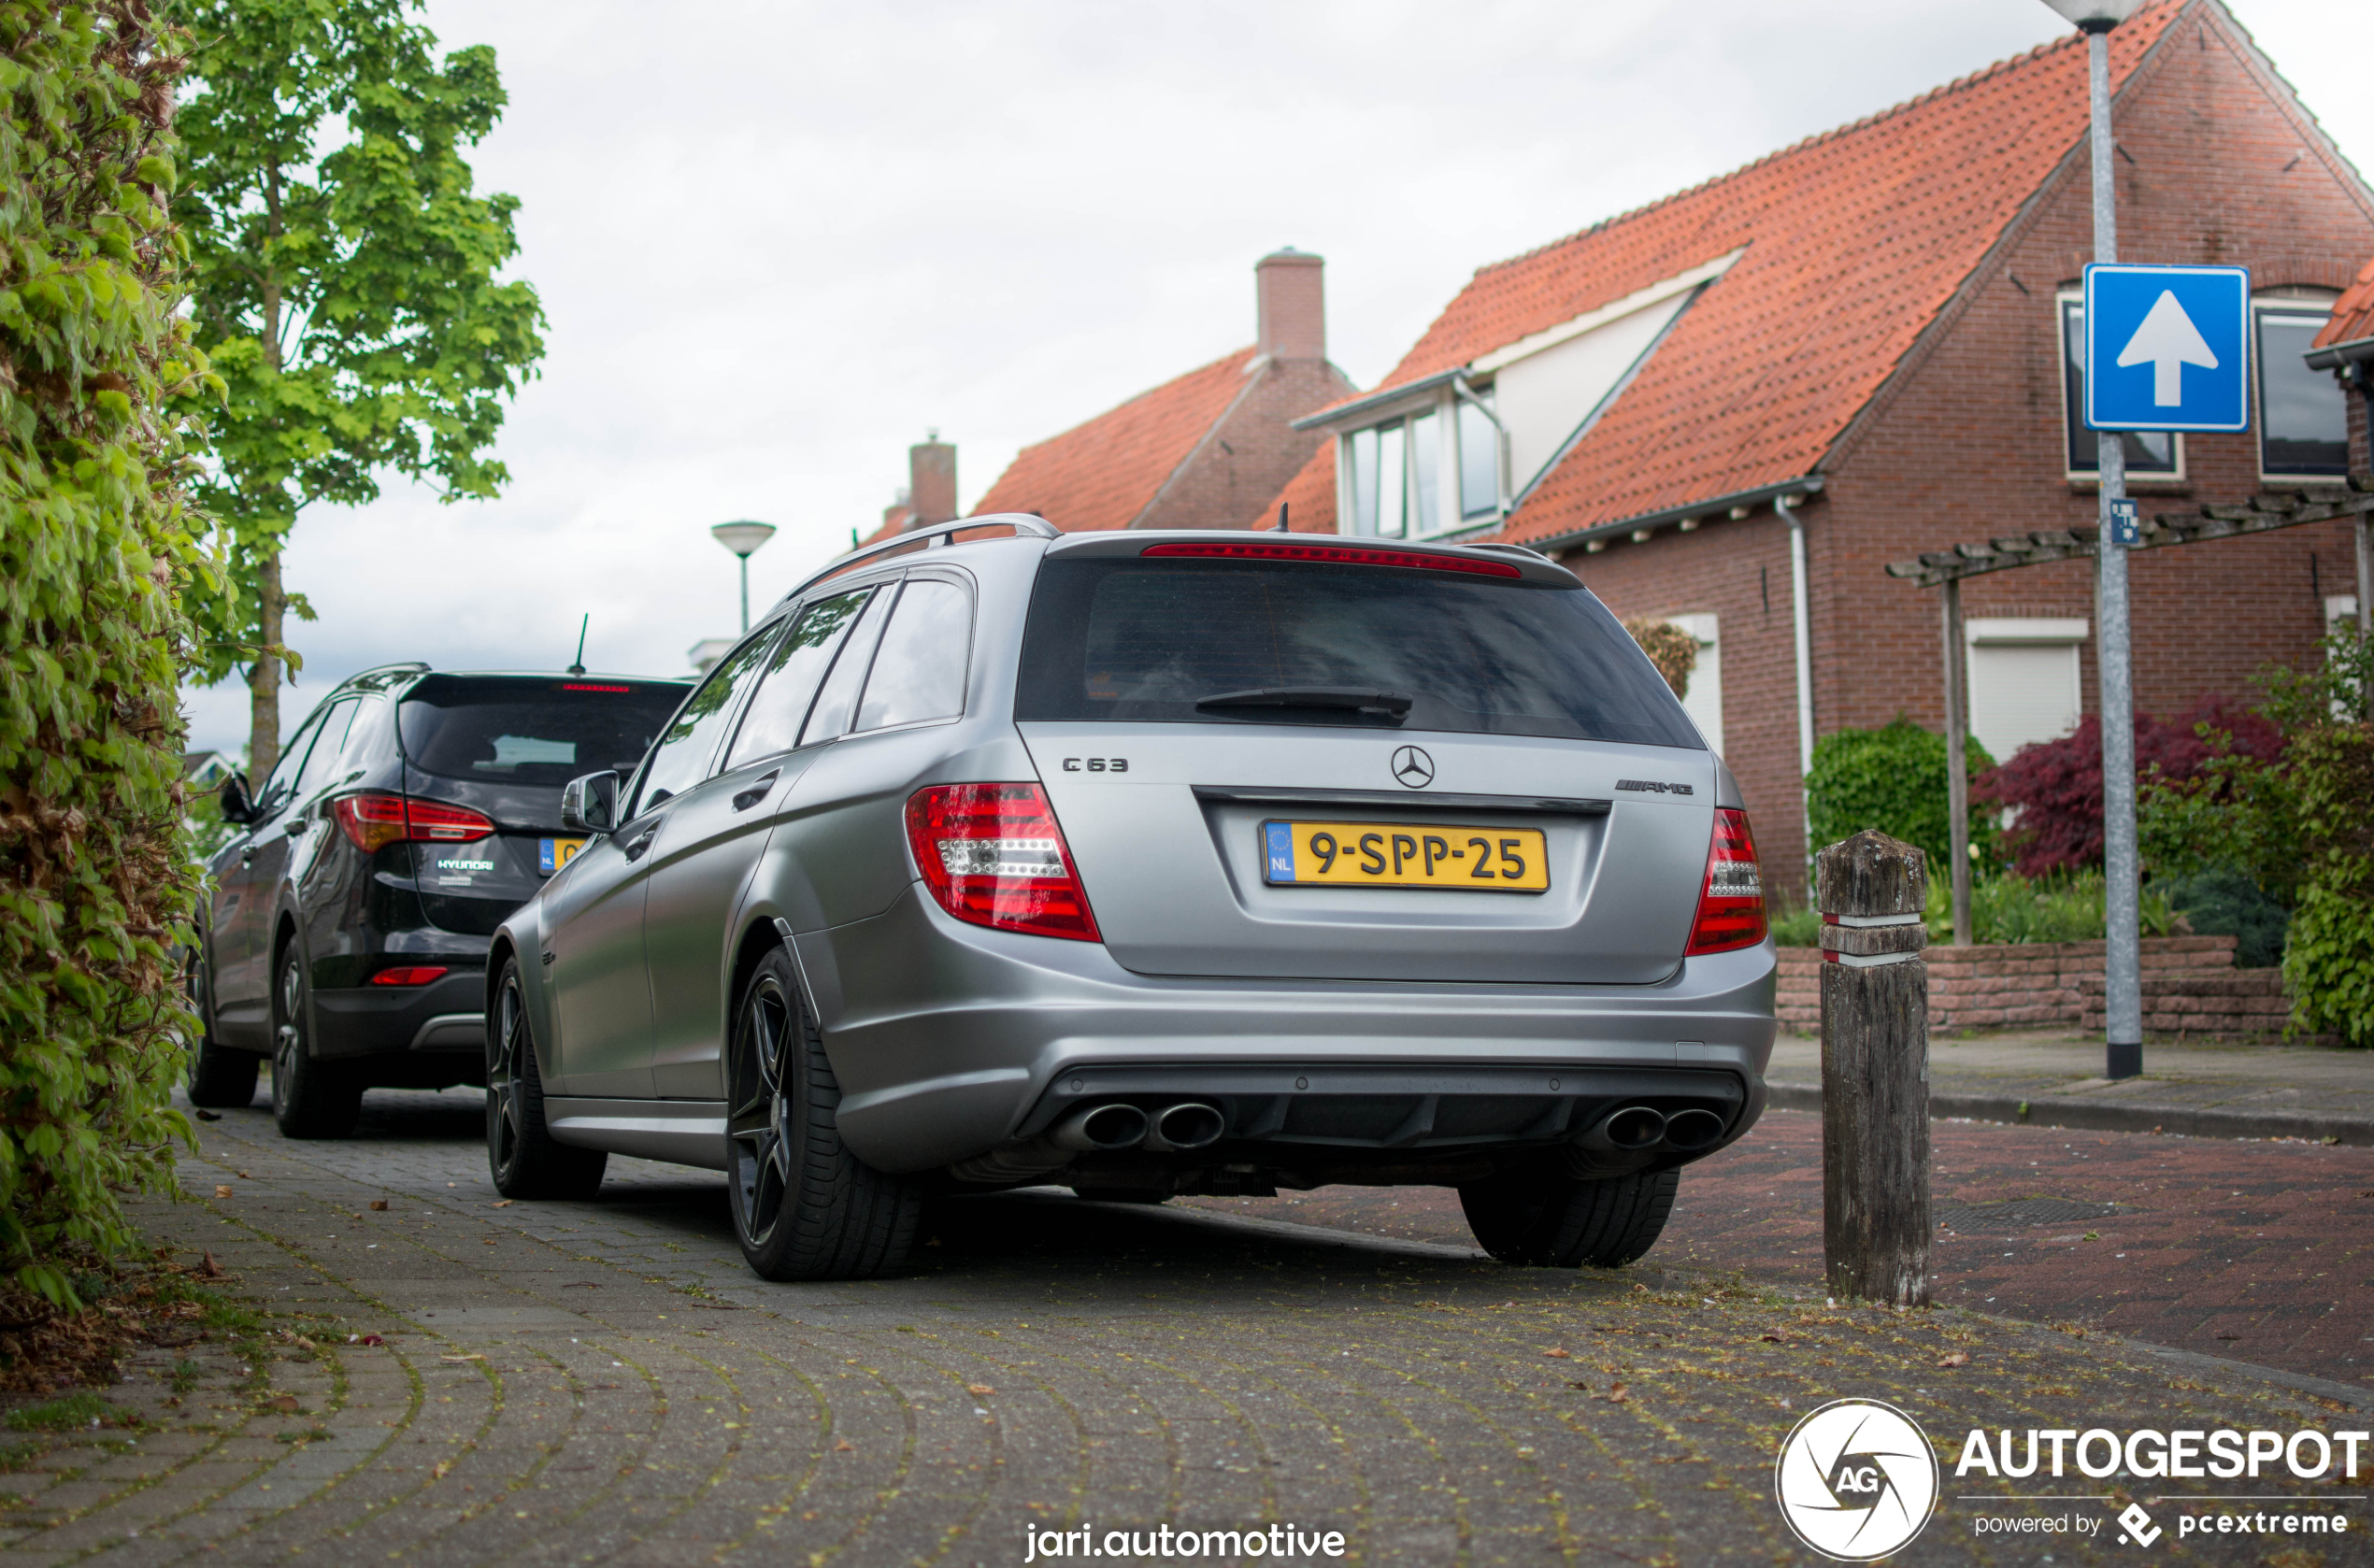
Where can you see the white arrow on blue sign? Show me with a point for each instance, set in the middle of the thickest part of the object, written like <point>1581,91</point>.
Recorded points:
<point>2167,348</point>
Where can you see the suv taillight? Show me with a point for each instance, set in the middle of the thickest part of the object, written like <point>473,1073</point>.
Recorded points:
<point>372,821</point>
<point>993,855</point>
<point>1731,899</point>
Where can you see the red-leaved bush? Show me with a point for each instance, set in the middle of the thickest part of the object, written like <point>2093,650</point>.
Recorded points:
<point>2056,787</point>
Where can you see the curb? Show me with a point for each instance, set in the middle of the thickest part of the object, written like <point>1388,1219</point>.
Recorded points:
<point>2129,1116</point>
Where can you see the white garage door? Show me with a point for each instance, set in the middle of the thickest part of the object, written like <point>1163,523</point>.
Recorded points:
<point>2025,682</point>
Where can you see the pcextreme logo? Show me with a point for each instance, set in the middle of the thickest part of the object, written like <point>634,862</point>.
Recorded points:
<point>1856,1480</point>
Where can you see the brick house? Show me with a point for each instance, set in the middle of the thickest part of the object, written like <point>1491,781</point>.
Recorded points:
<point>1216,442</point>
<point>1732,407</point>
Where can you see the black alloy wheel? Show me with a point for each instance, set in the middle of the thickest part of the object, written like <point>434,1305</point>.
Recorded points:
<point>220,1078</point>
<point>803,1206</point>
<point>520,1152</point>
<point>310,1098</point>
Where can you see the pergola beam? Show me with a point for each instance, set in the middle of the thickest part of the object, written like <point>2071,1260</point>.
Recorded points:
<point>2261,514</point>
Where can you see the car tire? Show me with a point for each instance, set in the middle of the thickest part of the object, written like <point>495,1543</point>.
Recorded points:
<point>521,1154</point>
<point>1545,1218</point>
<point>220,1078</point>
<point>805,1207</point>
<point>310,1098</point>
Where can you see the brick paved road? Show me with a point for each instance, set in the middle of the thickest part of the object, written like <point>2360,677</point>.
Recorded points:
<point>603,1383</point>
<point>2258,1251</point>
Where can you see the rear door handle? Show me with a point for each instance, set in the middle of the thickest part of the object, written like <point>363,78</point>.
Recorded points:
<point>247,854</point>
<point>757,792</point>
<point>642,842</point>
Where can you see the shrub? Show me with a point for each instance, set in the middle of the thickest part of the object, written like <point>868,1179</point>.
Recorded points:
<point>2066,906</point>
<point>2223,902</point>
<point>2329,964</point>
<point>1893,780</point>
<point>2056,786</point>
<point>93,883</point>
<point>2237,815</point>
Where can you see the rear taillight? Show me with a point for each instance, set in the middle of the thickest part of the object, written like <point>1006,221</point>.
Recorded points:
<point>409,974</point>
<point>1731,899</point>
<point>372,821</point>
<point>993,855</point>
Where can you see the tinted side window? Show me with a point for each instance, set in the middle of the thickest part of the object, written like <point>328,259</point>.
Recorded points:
<point>838,700</point>
<point>772,722</point>
<point>278,790</point>
<point>919,673</point>
<point>323,764</point>
<point>686,748</point>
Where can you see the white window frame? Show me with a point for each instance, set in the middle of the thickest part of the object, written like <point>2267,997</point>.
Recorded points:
<point>2287,301</point>
<point>2173,476</point>
<point>1443,403</point>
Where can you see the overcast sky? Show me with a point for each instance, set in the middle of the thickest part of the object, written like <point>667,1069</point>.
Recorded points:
<point>778,243</point>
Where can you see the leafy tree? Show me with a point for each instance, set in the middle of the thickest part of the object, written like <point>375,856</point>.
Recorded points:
<point>94,547</point>
<point>346,287</point>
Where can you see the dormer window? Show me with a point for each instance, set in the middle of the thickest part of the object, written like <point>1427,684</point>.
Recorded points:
<point>1394,471</point>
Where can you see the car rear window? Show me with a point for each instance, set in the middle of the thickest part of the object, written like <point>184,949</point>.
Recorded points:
<point>531,730</point>
<point>1139,640</point>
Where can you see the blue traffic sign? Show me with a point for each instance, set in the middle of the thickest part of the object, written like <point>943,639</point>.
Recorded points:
<point>2167,348</point>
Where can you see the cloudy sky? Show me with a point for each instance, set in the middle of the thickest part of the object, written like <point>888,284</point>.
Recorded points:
<point>778,245</point>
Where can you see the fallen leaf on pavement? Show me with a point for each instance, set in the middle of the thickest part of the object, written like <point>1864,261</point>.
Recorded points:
<point>439,1471</point>
<point>473,1356</point>
<point>1559,1355</point>
<point>373,1339</point>
<point>221,1191</point>
<point>1959,1358</point>
<point>1615,1395</point>
<point>502,1203</point>
<point>1773,1338</point>
<point>379,1205</point>
<point>209,1116</point>
<point>285,1404</point>
<point>209,1267</point>
<point>978,1390</point>
<point>844,1447</point>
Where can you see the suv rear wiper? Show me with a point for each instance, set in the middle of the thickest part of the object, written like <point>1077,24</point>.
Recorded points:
<point>1390,704</point>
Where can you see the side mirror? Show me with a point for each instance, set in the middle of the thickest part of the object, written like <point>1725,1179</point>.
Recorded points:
<point>589,805</point>
<point>235,806</point>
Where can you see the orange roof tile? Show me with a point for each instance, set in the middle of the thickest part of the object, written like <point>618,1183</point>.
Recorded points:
<point>1102,474</point>
<point>2353,313</point>
<point>1855,240</point>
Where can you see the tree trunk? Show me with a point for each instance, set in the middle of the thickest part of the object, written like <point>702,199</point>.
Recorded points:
<point>264,679</point>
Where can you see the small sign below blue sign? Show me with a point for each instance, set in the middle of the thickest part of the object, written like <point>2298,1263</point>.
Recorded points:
<point>2167,348</point>
<point>2125,529</point>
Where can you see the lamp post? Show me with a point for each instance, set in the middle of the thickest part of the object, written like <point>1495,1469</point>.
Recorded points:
<point>2122,967</point>
<point>743,539</point>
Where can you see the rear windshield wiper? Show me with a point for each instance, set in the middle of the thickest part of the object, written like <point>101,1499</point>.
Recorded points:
<point>1389,704</point>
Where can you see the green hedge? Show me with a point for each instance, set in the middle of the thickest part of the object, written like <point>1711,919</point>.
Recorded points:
<point>2328,964</point>
<point>94,886</point>
<point>1893,780</point>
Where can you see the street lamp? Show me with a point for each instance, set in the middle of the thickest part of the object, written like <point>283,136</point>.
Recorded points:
<point>2123,955</point>
<point>743,539</point>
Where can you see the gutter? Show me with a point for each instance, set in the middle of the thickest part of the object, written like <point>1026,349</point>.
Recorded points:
<point>1717,505</point>
<point>1359,406</point>
<point>2356,352</point>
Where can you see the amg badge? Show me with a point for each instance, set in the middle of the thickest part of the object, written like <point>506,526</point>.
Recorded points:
<point>1654,787</point>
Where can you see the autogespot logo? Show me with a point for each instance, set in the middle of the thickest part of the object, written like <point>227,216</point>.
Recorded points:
<point>1856,1480</point>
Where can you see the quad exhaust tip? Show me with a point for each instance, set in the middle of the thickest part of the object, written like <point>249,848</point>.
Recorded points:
<point>1102,1128</point>
<point>1633,1128</point>
<point>1691,1130</point>
<point>1192,1125</point>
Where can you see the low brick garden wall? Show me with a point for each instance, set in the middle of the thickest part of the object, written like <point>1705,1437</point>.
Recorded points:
<point>2191,988</point>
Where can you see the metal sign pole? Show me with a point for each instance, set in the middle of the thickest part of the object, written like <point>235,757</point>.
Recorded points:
<point>2123,978</point>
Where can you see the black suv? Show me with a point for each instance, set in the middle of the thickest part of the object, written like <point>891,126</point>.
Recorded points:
<point>346,933</point>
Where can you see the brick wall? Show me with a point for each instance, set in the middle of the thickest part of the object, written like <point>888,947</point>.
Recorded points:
<point>1967,442</point>
<point>1251,453</point>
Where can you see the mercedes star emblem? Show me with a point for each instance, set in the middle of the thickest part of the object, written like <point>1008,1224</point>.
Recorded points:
<point>1413,767</point>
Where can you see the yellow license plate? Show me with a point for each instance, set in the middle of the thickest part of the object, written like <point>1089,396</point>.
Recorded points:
<point>1395,855</point>
<point>556,853</point>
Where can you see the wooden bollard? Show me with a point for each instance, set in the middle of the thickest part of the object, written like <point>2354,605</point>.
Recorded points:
<point>1875,1070</point>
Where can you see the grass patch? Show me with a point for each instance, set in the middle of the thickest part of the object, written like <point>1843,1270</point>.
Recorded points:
<point>75,1410</point>
<point>185,1375</point>
<point>17,1456</point>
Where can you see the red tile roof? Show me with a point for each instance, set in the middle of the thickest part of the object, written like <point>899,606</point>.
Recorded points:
<point>1855,240</point>
<point>1104,473</point>
<point>2353,313</point>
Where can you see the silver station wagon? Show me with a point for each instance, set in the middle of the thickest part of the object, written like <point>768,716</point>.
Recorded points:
<point>1150,863</point>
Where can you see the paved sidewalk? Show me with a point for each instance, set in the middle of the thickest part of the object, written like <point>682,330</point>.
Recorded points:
<point>603,1383</point>
<point>2054,1080</point>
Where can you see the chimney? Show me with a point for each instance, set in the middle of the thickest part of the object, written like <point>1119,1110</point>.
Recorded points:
<point>931,488</point>
<point>1293,306</point>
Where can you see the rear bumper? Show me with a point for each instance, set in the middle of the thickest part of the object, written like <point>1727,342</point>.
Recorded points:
<point>949,1041</point>
<point>438,1029</point>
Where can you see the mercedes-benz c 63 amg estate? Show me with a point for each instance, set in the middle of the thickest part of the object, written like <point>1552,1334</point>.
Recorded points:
<point>1149,863</point>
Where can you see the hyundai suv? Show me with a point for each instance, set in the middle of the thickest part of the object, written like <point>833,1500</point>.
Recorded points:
<point>1149,863</point>
<point>345,933</point>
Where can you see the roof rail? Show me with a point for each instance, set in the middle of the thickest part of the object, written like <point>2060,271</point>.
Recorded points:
<point>382,674</point>
<point>933,537</point>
